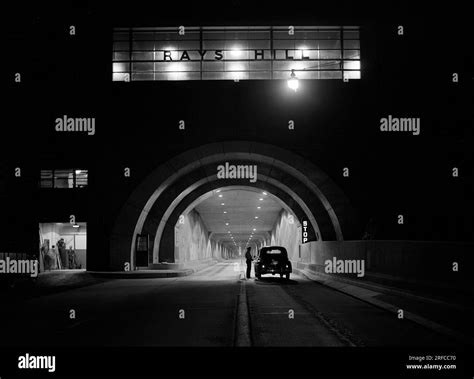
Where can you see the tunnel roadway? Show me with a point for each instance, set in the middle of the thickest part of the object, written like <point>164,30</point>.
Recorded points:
<point>203,310</point>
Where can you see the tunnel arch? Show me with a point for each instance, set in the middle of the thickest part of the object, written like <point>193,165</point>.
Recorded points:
<point>328,202</point>
<point>183,206</point>
<point>171,215</point>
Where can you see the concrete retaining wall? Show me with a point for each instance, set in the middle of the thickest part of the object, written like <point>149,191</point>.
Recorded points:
<point>192,265</point>
<point>403,263</point>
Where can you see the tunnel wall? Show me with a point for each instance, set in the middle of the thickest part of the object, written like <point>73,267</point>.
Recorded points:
<point>286,234</point>
<point>193,243</point>
<point>397,262</point>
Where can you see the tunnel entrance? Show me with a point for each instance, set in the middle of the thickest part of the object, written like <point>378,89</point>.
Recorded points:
<point>175,188</point>
<point>223,222</point>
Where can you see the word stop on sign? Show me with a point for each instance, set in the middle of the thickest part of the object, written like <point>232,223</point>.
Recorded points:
<point>305,231</point>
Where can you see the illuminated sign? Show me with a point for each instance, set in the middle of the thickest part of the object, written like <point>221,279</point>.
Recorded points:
<point>304,231</point>
<point>229,53</point>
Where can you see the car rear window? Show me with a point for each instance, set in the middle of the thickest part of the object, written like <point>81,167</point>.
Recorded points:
<point>273,253</point>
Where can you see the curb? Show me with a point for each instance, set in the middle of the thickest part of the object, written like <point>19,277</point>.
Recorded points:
<point>368,297</point>
<point>149,274</point>
<point>141,274</point>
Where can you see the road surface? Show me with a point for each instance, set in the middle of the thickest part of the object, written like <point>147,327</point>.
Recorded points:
<point>203,310</point>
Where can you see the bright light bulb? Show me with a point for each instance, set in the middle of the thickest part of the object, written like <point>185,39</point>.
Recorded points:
<point>236,51</point>
<point>293,81</point>
<point>293,84</point>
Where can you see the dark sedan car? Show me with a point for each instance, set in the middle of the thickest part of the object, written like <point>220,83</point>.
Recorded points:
<point>272,260</point>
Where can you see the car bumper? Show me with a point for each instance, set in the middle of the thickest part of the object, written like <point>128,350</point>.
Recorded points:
<point>266,270</point>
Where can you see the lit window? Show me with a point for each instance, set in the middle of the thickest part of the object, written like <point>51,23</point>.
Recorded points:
<point>230,53</point>
<point>63,178</point>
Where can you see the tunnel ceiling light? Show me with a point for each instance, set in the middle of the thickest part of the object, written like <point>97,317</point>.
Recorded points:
<point>254,229</point>
<point>225,211</point>
<point>260,199</point>
<point>220,195</point>
<point>256,217</point>
<point>259,207</point>
<point>222,204</point>
<point>227,223</point>
<point>293,81</point>
<point>264,193</point>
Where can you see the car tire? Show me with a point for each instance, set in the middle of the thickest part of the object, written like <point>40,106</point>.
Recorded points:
<point>288,276</point>
<point>281,276</point>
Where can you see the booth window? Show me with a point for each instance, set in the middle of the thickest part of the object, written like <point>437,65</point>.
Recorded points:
<point>63,178</point>
<point>63,246</point>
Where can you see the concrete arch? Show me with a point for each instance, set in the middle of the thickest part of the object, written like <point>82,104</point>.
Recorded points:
<point>133,214</point>
<point>211,179</point>
<point>164,221</point>
<point>167,235</point>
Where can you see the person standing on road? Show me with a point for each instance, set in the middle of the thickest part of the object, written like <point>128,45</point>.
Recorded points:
<point>249,259</point>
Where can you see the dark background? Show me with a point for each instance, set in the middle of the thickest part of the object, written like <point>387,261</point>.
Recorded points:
<point>336,123</point>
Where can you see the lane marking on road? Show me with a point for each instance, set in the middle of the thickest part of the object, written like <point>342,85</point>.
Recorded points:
<point>242,327</point>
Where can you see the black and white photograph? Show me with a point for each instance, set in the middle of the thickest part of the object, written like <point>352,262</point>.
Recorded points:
<point>237,189</point>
